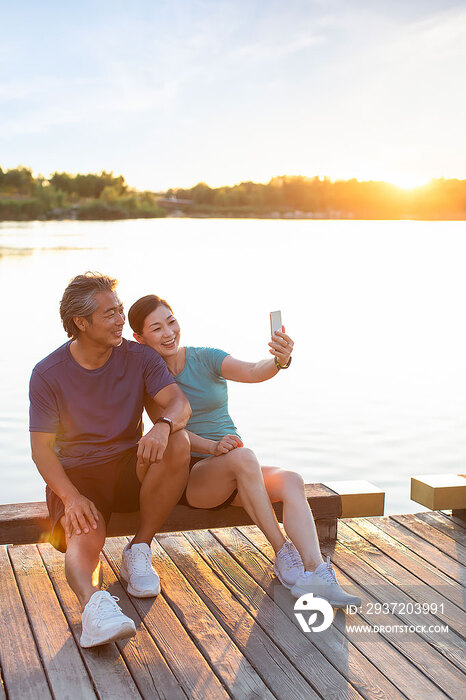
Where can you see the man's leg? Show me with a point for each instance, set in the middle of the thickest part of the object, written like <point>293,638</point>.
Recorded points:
<point>82,565</point>
<point>162,485</point>
<point>102,619</point>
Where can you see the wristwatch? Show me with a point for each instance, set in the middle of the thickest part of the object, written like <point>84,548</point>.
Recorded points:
<point>279,366</point>
<point>169,422</point>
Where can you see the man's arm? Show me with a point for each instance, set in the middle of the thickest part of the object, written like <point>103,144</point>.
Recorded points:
<point>80,512</point>
<point>171,403</point>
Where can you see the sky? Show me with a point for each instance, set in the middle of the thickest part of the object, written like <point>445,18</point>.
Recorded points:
<point>171,93</point>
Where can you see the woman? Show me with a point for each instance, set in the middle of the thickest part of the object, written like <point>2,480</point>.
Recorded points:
<point>222,470</point>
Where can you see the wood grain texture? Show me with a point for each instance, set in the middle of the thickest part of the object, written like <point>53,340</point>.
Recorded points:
<point>186,662</point>
<point>390,583</point>
<point>26,523</point>
<point>400,655</point>
<point>445,525</point>
<point>276,670</point>
<point>106,663</point>
<point>443,542</point>
<point>222,653</point>
<point>22,669</point>
<point>408,558</point>
<point>416,649</point>
<point>66,672</point>
<point>427,551</point>
<point>340,651</point>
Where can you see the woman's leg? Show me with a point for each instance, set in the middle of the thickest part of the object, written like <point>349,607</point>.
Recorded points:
<point>213,479</point>
<point>298,521</point>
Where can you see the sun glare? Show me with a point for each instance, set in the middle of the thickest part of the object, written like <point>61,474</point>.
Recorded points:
<point>407,182</point>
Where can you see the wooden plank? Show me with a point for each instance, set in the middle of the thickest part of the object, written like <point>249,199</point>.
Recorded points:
<point>114,666</point>
<point>234,670</point>
<point>422,548</point>
<point>358,498</point>
<point>418,650</point>
<point>392,584</point>
<point>275,669</point>
<point>183,657</point>
<point>62,660</point>
<point>409,560</point>
<point>452,615</point>
<point>22,669</point>
<point>338,649</point>
<point>432,535</point>
<point>23,523</point>
<point>307,658</point>
<point>445,525</point>
<point>416,662</point>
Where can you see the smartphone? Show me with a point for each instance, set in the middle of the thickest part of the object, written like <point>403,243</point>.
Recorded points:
<point>275,321</point>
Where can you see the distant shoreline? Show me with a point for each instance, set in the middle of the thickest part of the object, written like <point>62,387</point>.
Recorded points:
<point>105,197</point>
<point>286,216</point>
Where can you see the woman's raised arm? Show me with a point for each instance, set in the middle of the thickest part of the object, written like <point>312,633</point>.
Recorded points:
<point>281,346</point>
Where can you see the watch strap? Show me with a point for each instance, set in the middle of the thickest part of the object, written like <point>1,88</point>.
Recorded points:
<point>169,422</point>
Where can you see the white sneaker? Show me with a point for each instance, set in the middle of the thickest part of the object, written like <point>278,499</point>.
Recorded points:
<point>103,621</point>
<point>323,583</point>
<point>136,568</point>
<point>288,565</point>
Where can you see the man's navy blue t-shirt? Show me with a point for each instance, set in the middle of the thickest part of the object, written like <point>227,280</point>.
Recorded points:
<point>95,413</point>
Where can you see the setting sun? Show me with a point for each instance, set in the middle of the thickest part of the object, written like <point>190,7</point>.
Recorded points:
<point>408,182</point>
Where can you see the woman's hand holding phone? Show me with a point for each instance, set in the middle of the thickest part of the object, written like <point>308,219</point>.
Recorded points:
<point>281,346</point>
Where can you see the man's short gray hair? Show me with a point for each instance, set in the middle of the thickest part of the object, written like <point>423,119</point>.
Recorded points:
<point>79,298</point>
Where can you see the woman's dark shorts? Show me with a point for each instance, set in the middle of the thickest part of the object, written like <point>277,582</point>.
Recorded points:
<point>113,487</point>
<point>184,502</point>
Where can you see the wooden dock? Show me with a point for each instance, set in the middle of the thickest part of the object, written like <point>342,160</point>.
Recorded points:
<point>223,626</point>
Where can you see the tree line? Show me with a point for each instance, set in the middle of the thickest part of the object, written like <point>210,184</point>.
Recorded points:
<point>323,198</point>
<point>81,196</point>
<point>106,196</point>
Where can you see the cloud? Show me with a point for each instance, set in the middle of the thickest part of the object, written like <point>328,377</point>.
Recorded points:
<point>272,50</point>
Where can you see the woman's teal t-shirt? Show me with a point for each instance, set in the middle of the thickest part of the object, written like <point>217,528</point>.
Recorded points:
<point>206,390</point>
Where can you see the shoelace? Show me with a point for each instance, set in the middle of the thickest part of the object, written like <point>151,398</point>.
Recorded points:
<point>142,564</point>
<point>106,605</point>
<point>328,573</point>
<point>291,556</point>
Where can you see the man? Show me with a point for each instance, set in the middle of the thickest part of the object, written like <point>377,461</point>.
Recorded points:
<point>86,402</point>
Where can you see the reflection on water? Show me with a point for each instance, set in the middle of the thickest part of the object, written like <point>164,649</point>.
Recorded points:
<point>11,252</point>
<point>377,388</point>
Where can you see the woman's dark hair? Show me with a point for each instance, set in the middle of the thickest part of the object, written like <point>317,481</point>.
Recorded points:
<point>142,308</point>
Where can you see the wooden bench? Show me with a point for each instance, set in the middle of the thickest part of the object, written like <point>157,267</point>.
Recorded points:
<point>440,492</point>
<point>25,523</point>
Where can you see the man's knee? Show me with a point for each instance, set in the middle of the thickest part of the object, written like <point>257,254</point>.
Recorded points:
<point>92,540</point>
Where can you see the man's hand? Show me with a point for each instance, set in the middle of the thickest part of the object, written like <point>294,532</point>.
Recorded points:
<point>227,443</point>
<point>153,445</point>
<point>80,515</point>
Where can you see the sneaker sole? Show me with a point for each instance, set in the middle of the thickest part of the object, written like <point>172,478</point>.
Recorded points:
<point>284,583</point>
<point>297,593</point>
<point>124,632</point>
<point>142,594</point>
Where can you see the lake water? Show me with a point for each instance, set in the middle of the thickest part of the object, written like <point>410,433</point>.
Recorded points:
<point>377,388</point>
